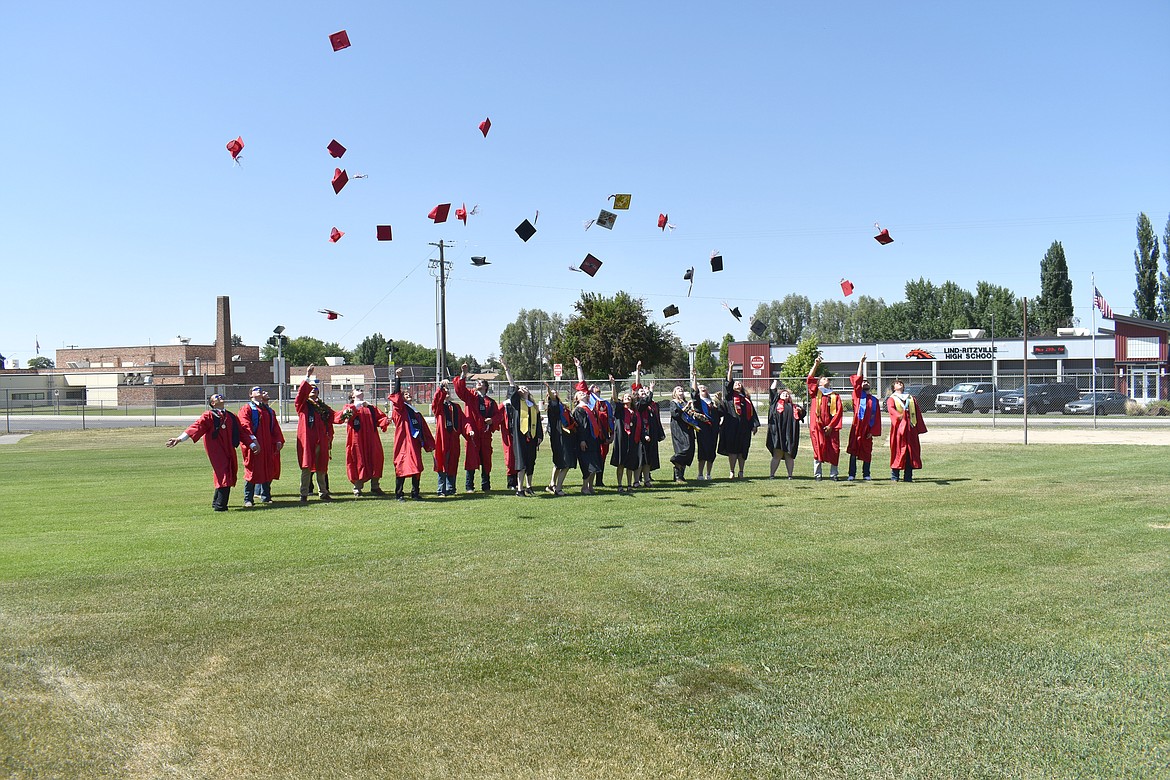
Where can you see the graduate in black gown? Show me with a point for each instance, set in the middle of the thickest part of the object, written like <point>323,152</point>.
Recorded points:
<point>739,424</point>
<point>683,424</point>
<point>707,435</point>
<point>562,438</point>
<point>625,454</point>
<point>784,416</point>
<point>527,431</point>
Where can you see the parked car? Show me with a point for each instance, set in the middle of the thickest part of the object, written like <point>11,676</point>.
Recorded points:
<point>1106,402</point>
<point>1041,398</point>
<point>924,395</point>
<point>966,397</point>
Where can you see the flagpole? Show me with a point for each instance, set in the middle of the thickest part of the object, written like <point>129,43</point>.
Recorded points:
<point>1093,278</point>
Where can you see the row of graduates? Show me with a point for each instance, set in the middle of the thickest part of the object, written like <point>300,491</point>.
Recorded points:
<point>625,430</point>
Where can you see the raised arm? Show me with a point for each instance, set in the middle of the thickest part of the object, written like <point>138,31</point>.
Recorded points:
<point>612,390</point>
<point>580,370</point>
<point>507,373</point>
<point>638,374</point>
<point>815,366</point>
<point>730,365</point>
<point>861,366</point>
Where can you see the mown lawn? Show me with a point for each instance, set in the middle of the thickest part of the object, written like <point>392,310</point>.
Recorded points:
<point>1003,617</point>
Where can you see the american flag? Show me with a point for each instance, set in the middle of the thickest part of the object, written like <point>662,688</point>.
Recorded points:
<point>1099,302</point>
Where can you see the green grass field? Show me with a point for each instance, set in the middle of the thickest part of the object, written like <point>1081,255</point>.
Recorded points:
<point>1004,617</point>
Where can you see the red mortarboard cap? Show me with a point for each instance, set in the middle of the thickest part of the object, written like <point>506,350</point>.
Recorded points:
<point>335,149</point>
<point>670,311</point>
<point>385,233</point>
<point>329,314</point>
<point>883,237</point>
<point>525,230</point>
<point>236,146</point>
<point>621,202</point>
<point>606,219</point>
<point>335,235</point>
<point>736,313</point>
<point>439,213</point>
<point>480,261</point>
<point>340,179</point>
<point>758,327</point>
<point>461,213</point>
<point>662,221</point>
<point>340,40</point>
<point>716,262</point>
<point>590,265</point>
<point>485,125</point>
<point>846,286</point>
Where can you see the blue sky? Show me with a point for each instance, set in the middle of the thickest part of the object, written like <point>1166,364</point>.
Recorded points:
<point>775,133</point>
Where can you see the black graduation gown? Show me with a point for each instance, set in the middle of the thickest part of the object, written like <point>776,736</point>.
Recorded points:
<point>589,459</point>
<point>735,433</point>
<point>626,449</point>
<point>707,437</point>
<point>783,427</point>
<point>523,446</point>
<point>682,436</point>
<point>652,433</point>
<point>563,443</point>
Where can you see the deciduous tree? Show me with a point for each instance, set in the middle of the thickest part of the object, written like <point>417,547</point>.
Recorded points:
<point>610,335</point>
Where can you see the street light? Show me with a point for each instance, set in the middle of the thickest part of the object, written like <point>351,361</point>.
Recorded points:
<point>278,368</point>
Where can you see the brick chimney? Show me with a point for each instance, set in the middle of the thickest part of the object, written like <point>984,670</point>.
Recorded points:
<point>223,334</point>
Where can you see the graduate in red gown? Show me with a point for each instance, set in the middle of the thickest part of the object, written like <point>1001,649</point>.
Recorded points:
<point>450,425</point>
<point>220,431</point>
<point>824,422</point>
<point>866,425</point>
<point>485,417</point>
<point>260,440</point>
<point>412,435</point>
<point>314,437</point>
<point>906,424</point>
<point>364,458</point>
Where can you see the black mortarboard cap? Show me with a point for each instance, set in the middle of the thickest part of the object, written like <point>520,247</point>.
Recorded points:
<point>670,311</point>
<point>480,261</point>
<point>716,263</point>
<point>758,327</point>
<point>525,230</point>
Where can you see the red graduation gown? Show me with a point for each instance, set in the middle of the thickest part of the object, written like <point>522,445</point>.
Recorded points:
<point>313,441</point>
<point>408,448</point>
<point>220,449</point>
<point>906,424</point>
<point>364,458</point>
<point>483,424</point>
<point>263,465</point>
<point>862,431</point>
<point>824,425</point>
<point>449,426</point>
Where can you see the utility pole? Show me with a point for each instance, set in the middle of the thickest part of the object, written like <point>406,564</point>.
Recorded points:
<point>440,269</point>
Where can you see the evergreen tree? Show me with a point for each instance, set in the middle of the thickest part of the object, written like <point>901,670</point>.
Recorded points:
<point>1164,279</point>
<point>797,366</point>
<point>706,365</point>
<point>371,351</point>
<point>1054,307</point>
<point>724,352</point>
<point>1145,260</point>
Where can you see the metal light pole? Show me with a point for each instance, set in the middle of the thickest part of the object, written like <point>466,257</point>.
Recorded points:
<point>440,269</point>
<point>994,378</point>
<point>278,368</point>
<point>692,348</point>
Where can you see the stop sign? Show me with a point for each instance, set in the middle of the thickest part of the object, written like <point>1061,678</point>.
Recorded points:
<point>757,362</point>
<point>557,370</point>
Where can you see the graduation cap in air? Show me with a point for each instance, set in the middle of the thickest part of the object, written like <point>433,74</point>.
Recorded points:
<point>339,40</point>
<point>439,213</point>
<point>620,202</point>
<point>670,311</point>
<point>689,276</point>
<point>335,149</point>
<point>883,236</point>
<point>335,235</point>
<point>662,222</point>
<point>525,230</point>
<point>480,261</point>
<point>735,312</point>
<point>340,179</point>
<point>485,125</point>
<point>329,314</point>
<point>385,233</point>
<point>716,261</point>
<point>758,327</point>
<point>589,265</point>
<point>846,287</point>
<point>462,213</point>
<point>235,147</point>
<point>606,219</point>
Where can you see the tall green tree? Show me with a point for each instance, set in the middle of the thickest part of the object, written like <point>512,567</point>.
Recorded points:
<point>371,351</point>
<point>924,310</point>
<point>526,344</point>
<point>724,354</point>
<point>679,364</point>
<point>955,307</point>
<point>306,350</point>
<point>829,321</point>
<point>786,319</point>
<point>1054,306</point>
<point>997,310</point>
<point>39,362</point>
<point>1145,260</point>
<point>409,353</point>
<point>1164,279</point>
<point>706,364</point>
<point>866,319</point>
<point>610,335</point>
<point>797,366</point>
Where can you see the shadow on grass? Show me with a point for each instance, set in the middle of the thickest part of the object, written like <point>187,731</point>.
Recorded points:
<point>610,527</point>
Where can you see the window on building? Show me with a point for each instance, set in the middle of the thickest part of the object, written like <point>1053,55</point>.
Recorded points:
<point>28,396</point>
<point>1141,347</point>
